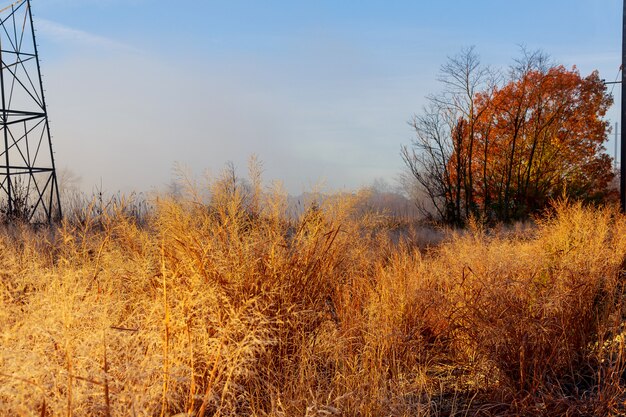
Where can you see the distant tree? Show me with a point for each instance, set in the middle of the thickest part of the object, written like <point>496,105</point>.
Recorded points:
<point>383,198</point>
<point>69,181</point>
<point>502,150</point>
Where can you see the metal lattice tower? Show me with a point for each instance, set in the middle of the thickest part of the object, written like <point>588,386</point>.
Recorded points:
<point>28,183</point>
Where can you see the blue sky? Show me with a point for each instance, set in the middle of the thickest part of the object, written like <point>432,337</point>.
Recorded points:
<point>321,91</point>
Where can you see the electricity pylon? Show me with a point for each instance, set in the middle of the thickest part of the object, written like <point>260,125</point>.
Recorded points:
<point>29,189</point>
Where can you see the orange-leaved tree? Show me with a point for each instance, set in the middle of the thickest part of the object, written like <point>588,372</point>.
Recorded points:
<point>516,144</point>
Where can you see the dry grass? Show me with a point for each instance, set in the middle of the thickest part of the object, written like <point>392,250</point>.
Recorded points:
<point>233,308</point>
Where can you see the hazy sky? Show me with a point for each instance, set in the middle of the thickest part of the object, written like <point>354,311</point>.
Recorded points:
<point>319,90</point>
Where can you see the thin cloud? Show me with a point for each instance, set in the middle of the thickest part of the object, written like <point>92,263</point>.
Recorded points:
<point>65,34</point>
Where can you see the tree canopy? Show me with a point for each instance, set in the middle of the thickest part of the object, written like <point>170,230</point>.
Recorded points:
<point>500,147</point>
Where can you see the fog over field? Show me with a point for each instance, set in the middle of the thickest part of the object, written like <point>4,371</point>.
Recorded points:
<point>320,92</point>
<point>315,209</point>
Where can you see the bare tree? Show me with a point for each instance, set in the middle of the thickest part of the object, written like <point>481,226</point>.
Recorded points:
<point>442,153</point>
<point>427,161</point>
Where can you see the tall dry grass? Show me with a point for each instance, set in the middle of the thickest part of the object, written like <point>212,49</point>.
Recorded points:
<point>235,308</point>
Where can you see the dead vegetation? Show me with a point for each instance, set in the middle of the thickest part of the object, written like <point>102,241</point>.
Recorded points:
<point>234,308</point>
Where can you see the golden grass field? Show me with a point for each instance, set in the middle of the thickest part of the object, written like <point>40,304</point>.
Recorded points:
<point>237,309</point>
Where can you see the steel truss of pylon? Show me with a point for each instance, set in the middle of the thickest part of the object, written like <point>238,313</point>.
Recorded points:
<point>28,182</point>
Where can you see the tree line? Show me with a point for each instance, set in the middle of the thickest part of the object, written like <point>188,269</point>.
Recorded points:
<point>500,146</point>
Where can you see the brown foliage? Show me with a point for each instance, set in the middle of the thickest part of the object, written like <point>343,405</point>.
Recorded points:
<point>505,151</point>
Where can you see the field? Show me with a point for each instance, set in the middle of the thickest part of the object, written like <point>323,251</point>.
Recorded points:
<point>236,308</point>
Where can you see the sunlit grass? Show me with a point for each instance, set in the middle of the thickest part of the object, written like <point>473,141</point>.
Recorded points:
<point>237,308</point>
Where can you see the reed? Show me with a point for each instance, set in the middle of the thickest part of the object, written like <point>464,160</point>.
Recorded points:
<point>236,307</point>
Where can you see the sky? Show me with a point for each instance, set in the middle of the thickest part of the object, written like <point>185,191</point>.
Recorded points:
<point>321,91</point>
